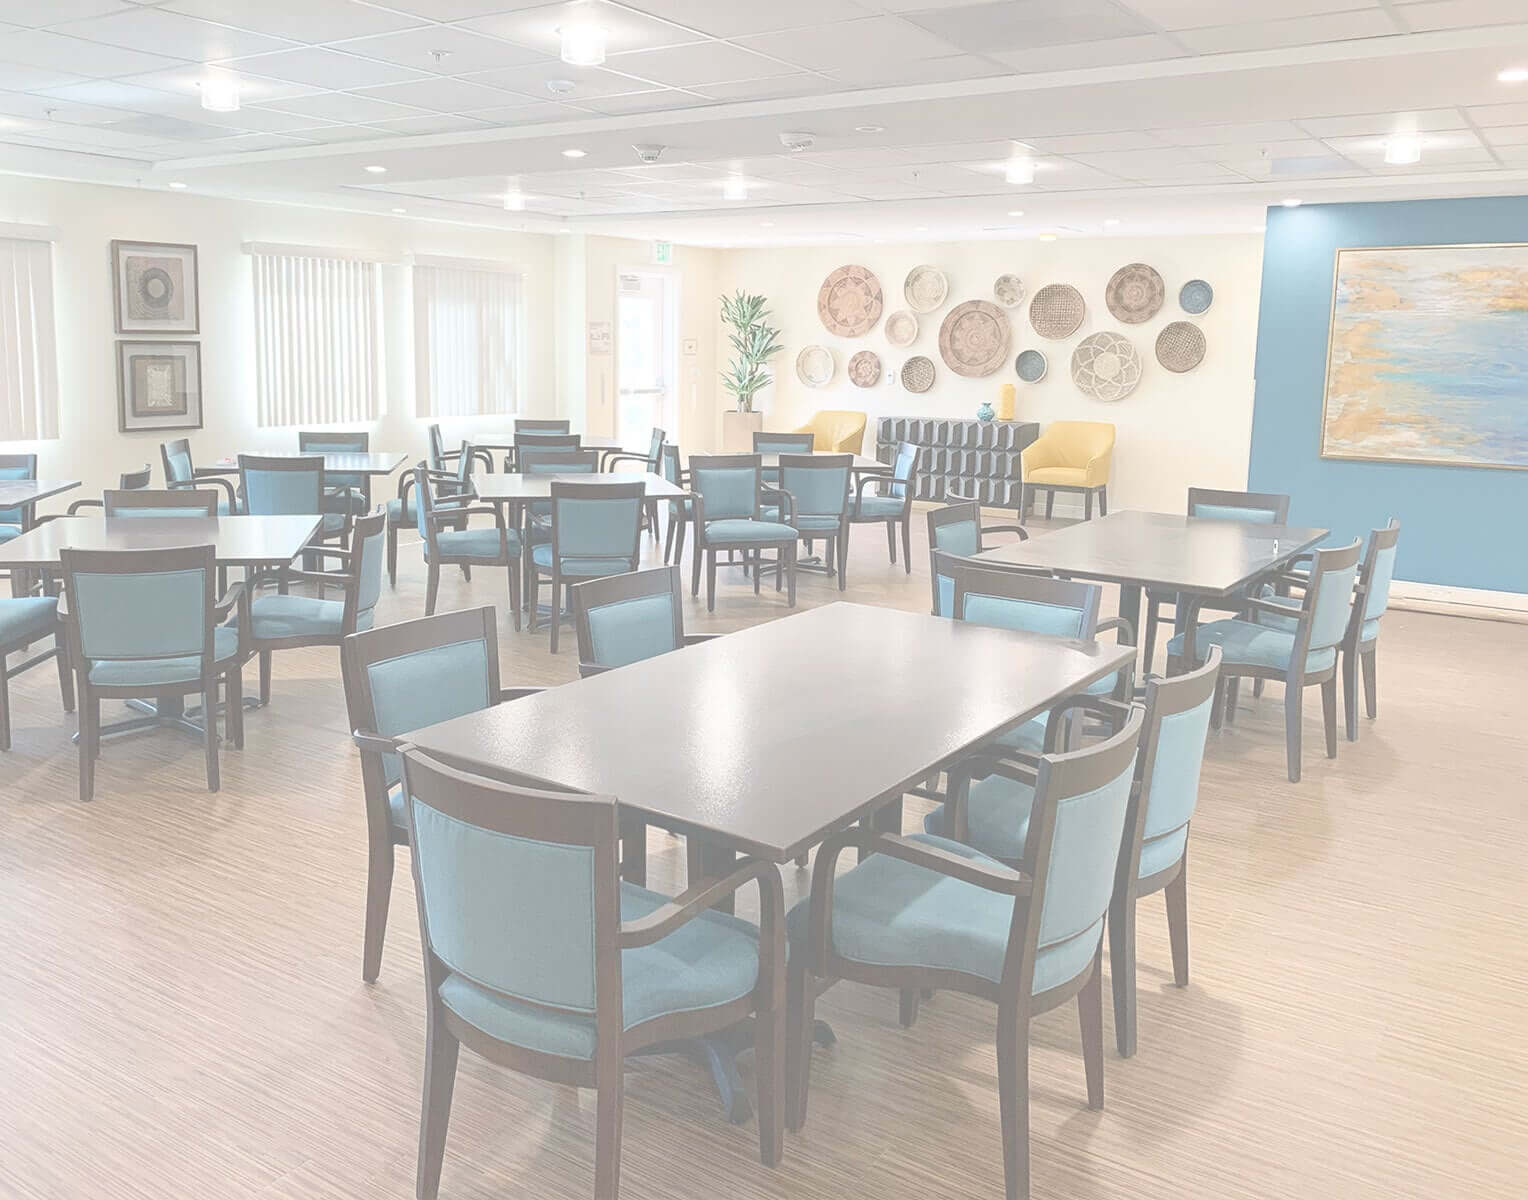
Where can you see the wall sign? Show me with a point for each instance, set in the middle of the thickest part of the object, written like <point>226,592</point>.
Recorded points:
<point>663,254</point>
<point>599,337</point>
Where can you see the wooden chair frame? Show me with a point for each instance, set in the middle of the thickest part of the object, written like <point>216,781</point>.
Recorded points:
<point>59,654</point>
<point>529,438</point>
<point>673,544</point>
<point>612,589</point>
<point>1028,490</point>
<point>653,462</point>
<point>198,478</point>
<point>1357,653</point>
<point>579,491</point>
<point>958,510</point>
<point>355,441</point>
<point>837,556</point>
<point>707,547</point>
<point>453,512</point>
<point>436,465</point>
<point>261,462</point>
<point>128,481</point>
<point>114,500</point>
<point>905,519</point>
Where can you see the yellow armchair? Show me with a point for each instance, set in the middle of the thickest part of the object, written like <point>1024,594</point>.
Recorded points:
<point>1070,456</point>
<point>836,431</point>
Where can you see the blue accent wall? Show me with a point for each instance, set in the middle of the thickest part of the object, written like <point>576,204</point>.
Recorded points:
<point>1460,526</point>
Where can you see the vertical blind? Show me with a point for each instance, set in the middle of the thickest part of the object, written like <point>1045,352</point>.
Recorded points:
<point>317,346</point>
<point>28,353</point>
<point>468,324</point>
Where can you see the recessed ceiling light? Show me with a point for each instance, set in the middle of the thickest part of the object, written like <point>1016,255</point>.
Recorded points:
<point>564,229</point>
<point>1047,237</point>
<point>1111,222</point>
<point>1015,212</point>
<point>176,184</point>
<point>400,210</point>
<point>220,94</point>
<point>583,44</point>
<point>514,201</point>
<point>920,228</point>
<point>574,152</point>
<point>560,87</point>
<point>767,224</point>
<point>1403,149</point>
<point>375,169</point>
<point>1020,171</point>
<point>1292,202</point>
<point>735,188</point>
<point>1514,75</point>
<point>870,129</point>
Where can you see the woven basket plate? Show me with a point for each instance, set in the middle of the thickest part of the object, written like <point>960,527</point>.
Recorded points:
<point>849,301</point>
<point>1106,366</point>
<point>1180,346</point>
<point>865,369</point>
<point>902,328</point>
<point>1008,290</point>
<point>1031,366</point>
<point>973,341</point>
<point>1057,310</point>
<point>814,366</point>
<point>918,374</point>
<point>1195,297</point>
<point>1134,293</point>
<point>925,289</point>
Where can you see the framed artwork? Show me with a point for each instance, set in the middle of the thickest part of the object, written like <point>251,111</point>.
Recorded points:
<point>155,287</point>
<point>1426,356</point>
<point>159,385</point>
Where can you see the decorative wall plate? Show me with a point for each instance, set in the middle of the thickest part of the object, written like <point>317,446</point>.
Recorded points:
<point>1134,293</point>
<point>1106,366</point>
<point>1031,366</point>
<point>1180,346</point>
<point>849,301</point>
<point>1057,310</point>
<point>918,374</point>
<point>901,328</point>
<point>1008,290</point>
<point>1195,297</point>
<point>925,289</point>
<point>815,366</point>
<point>865,369</point>
<point>973,341</point>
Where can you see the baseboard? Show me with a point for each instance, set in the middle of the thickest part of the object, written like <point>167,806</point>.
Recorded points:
<point>1459,602</point>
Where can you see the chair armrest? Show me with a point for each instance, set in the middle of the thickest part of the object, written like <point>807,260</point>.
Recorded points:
<point>1003,880</point>
<point>787,502</point>
<point>1115,712</point>
<point>616,456</point>
<point>518,693</point>
<point>205,475</point>
<point>1278,610</point>
<point>373,743</point>
<point>327,578</point>
<point>1008,763</point>
<point>331,552</point>
<point>1121,624</point>
<point>1018,529</point>
<point>693,901</point>
<point>698,515</point>
<point>74,508</point>
<point>237,599</point>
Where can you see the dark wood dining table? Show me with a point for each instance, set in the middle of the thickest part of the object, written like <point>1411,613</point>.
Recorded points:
<point>336,462</point>
<point>24,493</point>
<point>513,488</point>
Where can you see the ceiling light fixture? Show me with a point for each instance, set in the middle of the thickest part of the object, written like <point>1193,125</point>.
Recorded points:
<point>1047,237</point>
<point>583,44</point>
<point>735,188</point>
<point>1015,212</point>
<point>1402,149</point>
<point>870,129</point>
<point>176,184</point>
<point>400,210</point>
<point>1110,222</point>
<point>220,95</point>
<point>767,224</point>
<point>564,229</point>
<point>514,201</point>
<point>375,169</point>
<point>920,228</point>
<point>1513,75</point>
<point>1292,202</point>
<point>574,153</point>
<point>1020,171</point>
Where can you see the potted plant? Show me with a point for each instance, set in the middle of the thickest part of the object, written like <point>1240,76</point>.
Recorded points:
<point>754,344</point>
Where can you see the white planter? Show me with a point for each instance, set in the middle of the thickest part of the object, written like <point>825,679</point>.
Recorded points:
<point>738,429</point>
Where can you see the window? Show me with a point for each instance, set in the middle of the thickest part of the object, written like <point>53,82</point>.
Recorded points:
<point>28,353</point>
<point>468,330</point>
<point>317,345</point>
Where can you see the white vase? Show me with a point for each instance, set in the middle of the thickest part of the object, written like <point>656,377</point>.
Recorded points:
<point>738,429</point>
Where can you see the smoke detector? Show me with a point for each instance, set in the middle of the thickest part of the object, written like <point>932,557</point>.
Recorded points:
<point>796,140</point>
<point>648,152</point>
<point>560,87</point>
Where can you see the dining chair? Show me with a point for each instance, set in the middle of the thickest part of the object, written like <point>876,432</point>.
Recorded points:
<point>443,513</point>
<point>541,959</point>
<point>727,493</point>
<point>282,621</point>
<point>441,459</point>
<point>596,531</point>
<point>128,481</point>
<point>14,521</point>
<point>925,912</point>
<point>541,439</point>
<point>818,485</point>
<point>652,462</point>
<point>679,510</point>
<point>24,620</point>
<point>1302,657</point>
<point>1214,504</point>
<point>275,486</point>
<point>181,472</point>
<point>956,529</point>
<point>399,678</point>
<point>148,623</point>
<point>892,503</point>
<point>780,443</point>
<point>539,460</point>
<point>623,619</point>
<point>159,503</point>
<point>543,425</point>
<point>344,491</point>
<point>443,466</point>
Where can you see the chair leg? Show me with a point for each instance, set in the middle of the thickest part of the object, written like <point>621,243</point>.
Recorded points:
<point>907,1007</point>
<point>770,1050</point>
<point>532,595</point>
<point>392,555</point>
<point>1122,971</point>
<point>65,674</point>
<point>907,543</point>
<point>513,571</point>
<point>467,572</point>
<point>431,589</point>
<point>1090,1016</point>
<point>379,890</point>
<point>842,543</point>
<point>790,575</point>
<point>891,540</point>
<point>265,677</point>
<point>210,733</point>
<point>233,714</point>
<point>1257,687</point>
<point>1233,699</point>
<point>1050,502</point>
<point>1176,895</point>
<point>1218,703</point>
<point>695,557</point>
<point>90,715</point>
<point>1367,659</point>
<point>556,603</point>
<point>758,572</point>
<point>779,569</point>
<point>1087,506</point>
<point>1103,501</point>
<point>1013,1098</point>
<point>1329,715</point>
<point>440,1054</point>
<point>684,528</point>
<point>1293,696</point>
<point>1350,693</point>
<point>668,540</point>
<point>800,1017</point>
<point>1026,502</point>
<point>711,581</point>
<point>1149,640</point>
<point>5,707</point>
<point>607,1125</point>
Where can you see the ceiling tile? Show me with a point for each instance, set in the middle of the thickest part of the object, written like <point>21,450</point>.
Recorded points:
<point>185,80</point>
<point>867,72</point>
<point>345,133</point>
<point>155,31</point>
<point>1106,52</point>
<point>1094,143</point>
<point>464,51</point>
<point>525,114</point>
<point>48,108</point>
<point>587,81</point>
<point>301,20</point>
<point>21,78</point>
<point>696,64</point>
<point>1461,14</point>
<point>33,13</point>
<point>836,45</point>
<point>1302,31</point>
<point>1499,114</point>
<point>343,107</point>
<point>326,68</point>
<point>637,102</point>
<point>1025,24</point>
<point>1196,14</point>
<point>42,49</point>
<point>778,87</point>
<point>246,143</point>
<point>440,94</point>
<point>1381,123</point>
<point>115,93</point>
<point>1209,135</point>
<point>625,30</point>
<point>431,123</point>
<point>461,10</point>
<point>736,18</point>
<point>170,128</point>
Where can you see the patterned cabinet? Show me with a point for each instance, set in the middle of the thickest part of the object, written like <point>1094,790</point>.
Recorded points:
<point>967,458</point>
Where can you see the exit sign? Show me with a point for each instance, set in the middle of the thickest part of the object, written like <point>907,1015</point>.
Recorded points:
<point>663,253</point>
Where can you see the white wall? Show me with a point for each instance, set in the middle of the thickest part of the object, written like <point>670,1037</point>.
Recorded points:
<point>90,216</point>
<point>1173,431</point>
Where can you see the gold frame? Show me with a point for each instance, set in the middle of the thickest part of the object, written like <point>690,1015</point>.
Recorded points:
<point>1331,327</point>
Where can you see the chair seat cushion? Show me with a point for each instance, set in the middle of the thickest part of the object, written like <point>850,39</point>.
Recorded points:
<point>9,532</point>
<point>891,913</point>
<point>1159,853</point>
<point>27,618</point>
<point>1066,476</point>
<point>1248,644</point>
<point>710,961</point>
<point>997,816</point>
<point>879,508</point>
<point>400,512</point>
<point>817,524</point>
<point>542,556</point>
<point>741,529</point>
<point>273,617</point>
<point>151,672</point>
<point>475,543</point>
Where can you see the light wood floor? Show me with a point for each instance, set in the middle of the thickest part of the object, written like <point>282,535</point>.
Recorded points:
<point>182,1013</point>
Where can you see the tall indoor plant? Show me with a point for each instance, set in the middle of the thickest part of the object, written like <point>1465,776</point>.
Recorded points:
<point>753,343</point>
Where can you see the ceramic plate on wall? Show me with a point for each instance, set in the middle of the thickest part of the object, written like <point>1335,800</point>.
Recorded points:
<point>865,369</point>
<point>973,341</point>
<point>1057,310</point>
<point>1134,293</point>
<point>901,328</point>
<point>925,289</point>
<point>1195,297</point>
<point>849,301</point>
<point>1180,346</point>
<point>1031,366</point>
<point>1008,290</point>
<point>814,366</point>
<point>918,374</point>
<point>1106,366</point>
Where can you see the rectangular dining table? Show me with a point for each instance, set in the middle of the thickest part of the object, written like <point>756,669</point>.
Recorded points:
<point>336,462</point>
<point>1200,559</point>
<point>23,493</point>
<point>770,462</point>
<point>512,487</point>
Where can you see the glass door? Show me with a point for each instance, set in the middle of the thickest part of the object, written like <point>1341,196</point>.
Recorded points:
<point>645,367</point>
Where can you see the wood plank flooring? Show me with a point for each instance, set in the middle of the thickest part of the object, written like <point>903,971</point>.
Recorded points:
<point>182,1013</point>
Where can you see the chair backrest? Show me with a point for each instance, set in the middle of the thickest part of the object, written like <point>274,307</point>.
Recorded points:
<point>281,486</point>
<point>532,439</point>
<point>175,457</point>
<point>517,888</point>
<point>534,460</point>
<point>403,677</point>
<point>1076,443</point>
<point>1011,599</point>
<point>1076,826</point>
<point>623,619</point>
<point>838,429</point>
<point>316,441</point>
<point>655,450</point>
<point>141,604</point>
<point>818,483</point>
<point>1376,573</point>
<point>542,425</point>
<point>902,468</point>
<point>177,502</point>
<point>427,492</point>
<point>592,521</point>
<point>728,484</point>
<point>1260,508</point>
<point>131,481</point>
<point>368,550</point>
<point>1167,770</point>
<point>1327,608</point>
<point>668,463</point>
<point>16,466</point>
<point>782,443</point>
<point>954,530</point>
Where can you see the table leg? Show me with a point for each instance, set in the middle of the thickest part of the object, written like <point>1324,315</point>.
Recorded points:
<point>163,712</point>
<point>1186,620</point>
<point>1130,609</point>
<point>708,859</point>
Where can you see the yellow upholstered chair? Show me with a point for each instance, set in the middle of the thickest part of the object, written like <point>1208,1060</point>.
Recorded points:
<point>836,431</point>
<point>1070,456</point>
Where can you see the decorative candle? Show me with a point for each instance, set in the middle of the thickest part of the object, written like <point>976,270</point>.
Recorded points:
<point>1005,402</point>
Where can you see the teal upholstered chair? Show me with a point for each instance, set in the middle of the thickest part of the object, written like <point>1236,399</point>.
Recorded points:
<point>924,912</point>
<point>539,958</point>
<point>652,462</point>
<point>286,486</point>
<point>444,511</point>
<point>147,623</point>
<point>15,521</point>
<point>344,491</point>
<point>1301,657</point>
<point>399,678</point>
<point>128,481</point>
<point>543,425</point>
<point>623,619</point>
<point>596,531</point>
<point>728,499</point>
<point>543,439</point>
<point>957,530</point>
<point>780,443</point>
<point>401,513</point>
<point>535,459</point>
<point>24,620</point>
<point>679,510</point>
<point>282,621</point>
<point>892,503</point>
<point>1213,504</point>
<point>181,472</point>
<point>818,487</point>
<point>159,503</point>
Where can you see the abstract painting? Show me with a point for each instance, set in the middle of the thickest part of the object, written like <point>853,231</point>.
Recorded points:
<point>1428,356</point>
<point>159,385</point>
<point>156,287</point>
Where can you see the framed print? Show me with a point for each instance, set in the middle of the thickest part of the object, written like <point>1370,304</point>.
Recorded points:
<point>155,287</point>
<point>159,385</point>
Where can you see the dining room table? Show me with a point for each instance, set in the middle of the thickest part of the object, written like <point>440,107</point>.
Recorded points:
<point>862,464</point>
<point>505,443</point>
<point>24,493</point>
<point>336,462</point>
